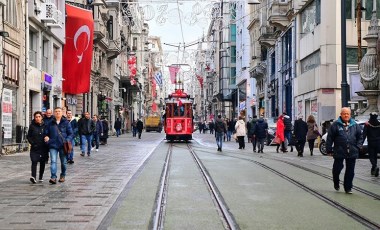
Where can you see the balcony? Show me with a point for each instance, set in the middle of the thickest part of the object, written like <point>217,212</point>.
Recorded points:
<point>99,30</point>
<point>258,71</point>
<point>279,13</point>
<point>267,36</point>
<point>105,41</point>
<point>114,49</point>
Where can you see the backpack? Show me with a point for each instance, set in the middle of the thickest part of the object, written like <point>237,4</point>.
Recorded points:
<point>219,126</point>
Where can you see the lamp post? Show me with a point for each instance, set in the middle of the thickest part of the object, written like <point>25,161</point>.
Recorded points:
<point>345,93</point>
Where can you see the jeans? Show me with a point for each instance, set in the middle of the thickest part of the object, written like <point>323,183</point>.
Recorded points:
<point>53,160</point>
<point>97,141</point>
<point>260,143</point>
<point>219,139</point>
<point>348,175</point>
<point>86,138</point>
<point>118,132</point>
<point>134,130</point>
<point>71,155</point>
<point>229,135</point>
<point>288,136</point>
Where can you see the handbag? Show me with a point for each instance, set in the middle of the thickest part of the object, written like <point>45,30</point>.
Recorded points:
<point>277,140</point>
<point>234,136</point>
<point>67,146</point>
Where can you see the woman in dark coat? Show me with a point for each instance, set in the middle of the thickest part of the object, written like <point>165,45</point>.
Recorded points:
<point>39,149</point>
<point>104,137</point>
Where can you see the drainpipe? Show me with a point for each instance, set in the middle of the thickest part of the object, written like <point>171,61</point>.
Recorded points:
<point>26,63</point>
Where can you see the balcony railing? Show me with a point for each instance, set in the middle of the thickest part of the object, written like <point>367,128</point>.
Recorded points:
<point>267,36</point>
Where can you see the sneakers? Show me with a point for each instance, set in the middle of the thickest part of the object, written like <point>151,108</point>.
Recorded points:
<point>61,179</point>
<point>40,180</point>
<point>82,154</point>
<point>349,191</point>
<point>70,162</point>
<point>88,154</point>
<point>53,181</point>
<point>33,180</point>
<point>97,150</point>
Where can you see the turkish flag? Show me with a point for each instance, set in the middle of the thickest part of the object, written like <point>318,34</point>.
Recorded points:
<point>77,52</point>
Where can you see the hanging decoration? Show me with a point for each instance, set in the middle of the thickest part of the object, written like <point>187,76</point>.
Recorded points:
<point>132,69</point>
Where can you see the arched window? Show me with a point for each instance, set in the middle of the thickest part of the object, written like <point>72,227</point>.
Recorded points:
<point>11,12</point>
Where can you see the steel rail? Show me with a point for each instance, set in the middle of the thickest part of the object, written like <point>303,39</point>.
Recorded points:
<point>158,218</point>
<point>227,216</point>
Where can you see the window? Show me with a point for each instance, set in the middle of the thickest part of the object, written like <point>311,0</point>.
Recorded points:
<point>351,6</point>
<point>233,32</point>
<point>110,27</point>
<point>311,62</point>
<point>233,76</point>
<point>11,74</point>
<point>55,60</point>
<point>369,8</point>
<point>233,54</point>
<point>11,12</point>
<point>352,55</point>
<point>311,17</point>
<point>45,54</point>
<point>273,64</point>
<point>287,47</point>
<point>32,48</point>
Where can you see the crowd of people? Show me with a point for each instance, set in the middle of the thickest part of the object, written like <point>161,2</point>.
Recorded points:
<point>48,132</point>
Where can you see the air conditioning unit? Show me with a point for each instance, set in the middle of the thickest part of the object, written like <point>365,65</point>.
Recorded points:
<point>49,12</point>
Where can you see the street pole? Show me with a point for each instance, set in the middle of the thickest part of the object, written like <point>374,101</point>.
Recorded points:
<point>345,94</point>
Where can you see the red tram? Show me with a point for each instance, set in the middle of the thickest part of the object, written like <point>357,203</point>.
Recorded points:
<point>178,117</point>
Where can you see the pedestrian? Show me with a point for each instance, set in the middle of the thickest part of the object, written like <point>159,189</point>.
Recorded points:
<point>86,128</point>
<point>117,126</point>
<point>200,127</point>
<point>280,134</point>
<point>230,129</point>
<point>140,127</point>
<point>48,116</point>
<point>74,126</point>
<point>134,128</point>
<point>220,130</point>
<point>249,133</point>
<point>104,137</point>
<point>98,131</point>
<point>251,130</point>
<point>204,127</point>
<point>56,133</point>
<point>300,132</point>
<point>345,137</point>
<point>312,132</point>
<point>260,134</point>
<point>372,133</point>
<point>211,126</point>
<point>288,131</point>
<point>241,132</point>
<point>39,149</point>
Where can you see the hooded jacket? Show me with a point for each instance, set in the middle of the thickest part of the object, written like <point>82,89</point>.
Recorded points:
<point>261,128</point>
<point>346,139</point>
<point>240,128</point>
<point>371,131</point>
<point>39,149</point>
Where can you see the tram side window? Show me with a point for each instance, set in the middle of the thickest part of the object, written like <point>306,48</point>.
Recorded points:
<point>169,110</point>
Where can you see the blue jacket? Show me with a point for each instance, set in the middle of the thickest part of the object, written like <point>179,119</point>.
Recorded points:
<point>261,129</point>
<point>74,126</point>
<point>346,140</point>
<point>99,128</point>
<point>55,139</point>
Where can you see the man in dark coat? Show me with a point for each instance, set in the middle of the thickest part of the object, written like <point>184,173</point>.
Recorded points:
<point>104,137</point>
<point>48,116</point>
<point>86,127</point>
<point>345,136</point>
<point>56,133</point>
<point>117,126</point>
<point>39,149</point>
<point>220,131</point>
<point>372,133</point>
<point>300,131</point>
<point>139,126</point>
<point>288,130</point>
<point>251,130</point>
<point>260,133</point>
<point>97,132</point>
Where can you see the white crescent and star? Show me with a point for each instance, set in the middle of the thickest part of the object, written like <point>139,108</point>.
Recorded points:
<point>83,29</point>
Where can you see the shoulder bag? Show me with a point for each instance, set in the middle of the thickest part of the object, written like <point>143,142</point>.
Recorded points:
<point>67,146</point>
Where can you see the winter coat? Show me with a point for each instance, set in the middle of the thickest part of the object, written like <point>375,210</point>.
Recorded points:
<point>139,126</point>
<point>55,139</point>
<point>311,134</point>
<point>240,128</point>
<point>99,127</point>
<point>117,124</point>
<point>39,149</point>
<point>371,131</point>
<point>86,126</point>
<point>74,126</point>
<point>261,128</point>
<point>231,126</point>
<point>251,126</point>
<point>220,126</point>
<point>280,129</point>
<point>346,140</point>
<point>47,120</point>
<point>300,129</point>
<point>105,129</point>
<point>288,123</point>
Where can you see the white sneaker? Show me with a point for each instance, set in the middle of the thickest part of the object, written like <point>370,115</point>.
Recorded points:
<point>97,150</point>
<point>92,148</point>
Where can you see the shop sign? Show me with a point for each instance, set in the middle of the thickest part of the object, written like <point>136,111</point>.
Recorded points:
<point>242,106</point>
<point>6,118</point>
<point>71,100</point>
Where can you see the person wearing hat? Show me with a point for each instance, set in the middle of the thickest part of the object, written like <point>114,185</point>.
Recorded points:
<point>371,131</point>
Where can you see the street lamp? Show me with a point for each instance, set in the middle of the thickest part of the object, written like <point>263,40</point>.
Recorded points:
<point>345,93</point>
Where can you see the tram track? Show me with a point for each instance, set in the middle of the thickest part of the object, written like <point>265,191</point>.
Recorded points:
<point>349,212</point>
<point>161,199</point>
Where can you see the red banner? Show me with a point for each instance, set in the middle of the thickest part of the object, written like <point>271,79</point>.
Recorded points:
<point>173,70</point>
<point>77,52</point>
<point>200,79</point>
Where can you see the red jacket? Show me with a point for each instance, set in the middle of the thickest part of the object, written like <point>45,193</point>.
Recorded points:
<point>280,128</point>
